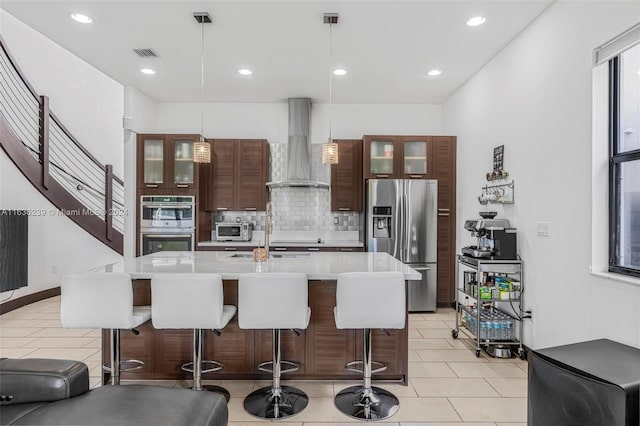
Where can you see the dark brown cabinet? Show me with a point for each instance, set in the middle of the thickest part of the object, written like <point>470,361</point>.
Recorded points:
<point>346,177</point>
<point>397,157</point>
<point>165,164</point>
<point>444,165</point>
<point>239,172</point>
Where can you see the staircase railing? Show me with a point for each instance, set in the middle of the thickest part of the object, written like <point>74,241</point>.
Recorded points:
<point>48,155</point>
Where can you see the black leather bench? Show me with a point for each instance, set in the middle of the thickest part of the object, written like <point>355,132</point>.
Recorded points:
<point>56,392</point>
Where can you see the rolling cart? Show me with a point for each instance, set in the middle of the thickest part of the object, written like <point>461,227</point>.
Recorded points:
<point>489,304</point>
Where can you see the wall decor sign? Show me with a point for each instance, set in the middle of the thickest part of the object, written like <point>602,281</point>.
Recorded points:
<point>498,165</point>
<point>498,158</point>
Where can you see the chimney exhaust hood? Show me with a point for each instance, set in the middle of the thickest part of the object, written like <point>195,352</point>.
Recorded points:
<point>298,153</point>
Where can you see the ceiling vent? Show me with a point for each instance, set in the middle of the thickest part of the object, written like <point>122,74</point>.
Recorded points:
<point>145,52</point>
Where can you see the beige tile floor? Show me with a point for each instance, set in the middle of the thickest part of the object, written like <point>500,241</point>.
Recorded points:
<point>447,383</point>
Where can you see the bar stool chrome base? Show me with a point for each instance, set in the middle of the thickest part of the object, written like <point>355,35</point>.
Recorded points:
<point>269,403</point>
<point>362,404</point>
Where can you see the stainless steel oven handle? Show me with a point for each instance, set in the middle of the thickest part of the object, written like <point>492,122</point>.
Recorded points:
<point>166,235</point>
<point>166,206</point>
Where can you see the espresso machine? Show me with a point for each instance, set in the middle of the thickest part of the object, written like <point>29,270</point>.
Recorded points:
<point>496,239</point>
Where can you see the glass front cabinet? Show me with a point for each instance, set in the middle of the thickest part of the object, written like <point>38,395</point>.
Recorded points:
<point>397,157</point>
<point>166,162</point>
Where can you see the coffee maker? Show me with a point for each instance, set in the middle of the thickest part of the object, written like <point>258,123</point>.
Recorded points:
<point>496,239</point>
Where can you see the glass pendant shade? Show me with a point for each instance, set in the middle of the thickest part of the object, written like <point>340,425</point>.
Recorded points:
<point>330,153</point>
<point>202,151</point>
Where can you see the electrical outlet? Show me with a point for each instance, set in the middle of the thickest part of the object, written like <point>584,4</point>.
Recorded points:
<point>336,220</point>
<point>54,269</point>
<point>542,229</point>
<point>238,219</point>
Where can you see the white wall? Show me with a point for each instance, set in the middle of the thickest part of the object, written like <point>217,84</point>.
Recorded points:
<point>535,98</point>
<point>90,105</point>
<point>270,120</point>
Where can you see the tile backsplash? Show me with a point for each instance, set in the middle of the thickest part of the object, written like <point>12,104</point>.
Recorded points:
<point>298,209</point>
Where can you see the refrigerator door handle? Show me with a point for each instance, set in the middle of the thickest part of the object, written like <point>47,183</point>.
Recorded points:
<point>406,199</point>
<point>399,243</point>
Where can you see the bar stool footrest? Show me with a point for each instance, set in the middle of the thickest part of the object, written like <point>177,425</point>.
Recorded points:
<point>188,366</point>
<point>128,365</point>
<point>380,367</point>
<point>267,367</point>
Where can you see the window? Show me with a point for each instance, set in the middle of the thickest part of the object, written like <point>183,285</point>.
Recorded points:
<point>624,162</point>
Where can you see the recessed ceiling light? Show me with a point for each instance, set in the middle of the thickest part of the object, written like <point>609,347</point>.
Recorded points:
<point>79,17</point>
<point>245,71</point>
<point>339,71</point>
<point>476,20</point>
<point>434,73</point>
<point>147,71</point>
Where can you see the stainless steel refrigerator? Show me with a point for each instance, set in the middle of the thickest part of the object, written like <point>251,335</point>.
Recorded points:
<point>402,220</point>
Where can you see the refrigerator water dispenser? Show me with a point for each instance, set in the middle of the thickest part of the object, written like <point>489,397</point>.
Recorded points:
<point>381,222</point>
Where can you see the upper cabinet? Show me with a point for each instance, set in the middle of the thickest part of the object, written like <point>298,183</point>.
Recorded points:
<point>397,157</point>
<point>239,173</point>
<point>346,177</point>
<point>165,163</point>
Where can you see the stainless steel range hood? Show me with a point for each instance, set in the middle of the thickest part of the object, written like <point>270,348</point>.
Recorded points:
<point>298,153</point>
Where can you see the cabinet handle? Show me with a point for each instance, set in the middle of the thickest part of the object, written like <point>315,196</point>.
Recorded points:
<point>221,208</point>
<point>344,209</point>
<point>252,209</point>
<point>415,176</point>
<point>230,249</point>
<point>313,248</point>
<point>182,185</point>
<point>443,214</point>
<point>382,176</point>
<point>152,185</point>
<point>280,248</point>
<point>346,249</point>
<point>444,210</point>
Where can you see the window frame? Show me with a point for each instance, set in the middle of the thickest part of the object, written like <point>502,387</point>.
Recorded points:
<point>615,160</point>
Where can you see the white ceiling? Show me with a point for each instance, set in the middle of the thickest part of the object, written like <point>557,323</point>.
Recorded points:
<point>386,46</point>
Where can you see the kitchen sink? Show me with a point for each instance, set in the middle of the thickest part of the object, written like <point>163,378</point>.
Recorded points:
<point>272,255</point>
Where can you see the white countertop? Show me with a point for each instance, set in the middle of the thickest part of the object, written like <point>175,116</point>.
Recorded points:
<point>317,265</point>
<point>310,243</point>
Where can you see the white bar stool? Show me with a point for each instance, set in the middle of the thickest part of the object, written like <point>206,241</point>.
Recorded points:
<point>180,301</point>
<point>369,300</point>
<point>103,300</point>
<point>274,301</point>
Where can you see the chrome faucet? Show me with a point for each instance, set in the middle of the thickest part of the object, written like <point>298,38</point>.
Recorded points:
<point>268,227</point>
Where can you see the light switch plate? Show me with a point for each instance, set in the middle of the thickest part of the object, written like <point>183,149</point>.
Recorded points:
<point>542,229</point>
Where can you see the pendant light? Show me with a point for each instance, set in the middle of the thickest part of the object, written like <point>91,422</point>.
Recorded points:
<point>330,149</point>
<point>202,148</point>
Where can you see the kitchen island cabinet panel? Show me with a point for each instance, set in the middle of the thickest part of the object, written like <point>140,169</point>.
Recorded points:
<point>329,349</point>
<point>322,350</point>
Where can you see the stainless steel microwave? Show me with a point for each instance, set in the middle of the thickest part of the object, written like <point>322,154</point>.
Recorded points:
<point>234,231</point>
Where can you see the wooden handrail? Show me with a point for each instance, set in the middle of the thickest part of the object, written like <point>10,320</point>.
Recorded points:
<point>56,193</point>
<point>37,170</point>
<point>52,115</point>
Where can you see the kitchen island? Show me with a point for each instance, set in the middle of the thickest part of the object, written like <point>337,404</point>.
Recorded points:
<point>321,350</point>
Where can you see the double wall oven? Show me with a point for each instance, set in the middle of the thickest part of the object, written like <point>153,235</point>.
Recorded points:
<point>167,223</point>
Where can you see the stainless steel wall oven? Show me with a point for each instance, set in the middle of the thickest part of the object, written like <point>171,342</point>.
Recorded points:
<point>167,223</point>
